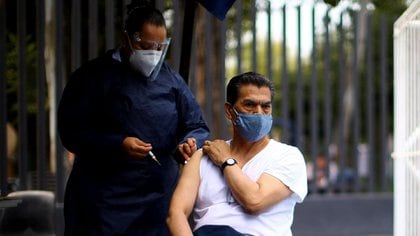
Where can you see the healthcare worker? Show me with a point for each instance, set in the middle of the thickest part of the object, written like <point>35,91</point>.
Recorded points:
<point>116,113</point>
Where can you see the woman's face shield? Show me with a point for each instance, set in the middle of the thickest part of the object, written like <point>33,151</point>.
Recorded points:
<point>164,48</point>
<point>138,43</point>
<point>143,44</point>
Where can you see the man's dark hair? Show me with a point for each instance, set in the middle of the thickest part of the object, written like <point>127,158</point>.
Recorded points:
<point>253,78</point>
<point>139,13</point>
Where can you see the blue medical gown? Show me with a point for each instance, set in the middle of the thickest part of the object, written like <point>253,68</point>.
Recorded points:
<point>107,192</point>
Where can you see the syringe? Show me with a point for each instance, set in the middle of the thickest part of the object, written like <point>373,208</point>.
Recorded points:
<point>154,157</point>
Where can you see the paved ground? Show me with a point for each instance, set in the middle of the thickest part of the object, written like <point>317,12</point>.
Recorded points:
<point>345,215</point>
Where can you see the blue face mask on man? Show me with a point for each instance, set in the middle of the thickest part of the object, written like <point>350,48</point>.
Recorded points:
<point>253,127</point>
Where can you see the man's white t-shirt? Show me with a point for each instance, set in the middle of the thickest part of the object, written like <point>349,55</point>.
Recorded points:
<point>215,204</point>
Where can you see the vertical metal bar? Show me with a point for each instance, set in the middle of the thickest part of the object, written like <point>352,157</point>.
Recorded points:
<point>409,95</point>
<point>327,97</point>
<point>299,86</point>
<point>314,105</point>
<point>93,29</point>
<point>176,36</point>
<point>76,48</point>
<point>187,32</point>
<point>124,8</point>
<point>110,24</point>
<point>254,35</point>
<point>41,127</point>
<point>401,69</point>
<point>22,98</point>
<point>369,102</point>
<point>222,76</point>
<point>269,46</point>
<point>60,178</point>
<point>193,65</point>
<point>356,117</point>
<point>285,83</point>
<point>383,100</point>
<point>3,101</point>
<point>59,84</point>
<point>208,68</point>
<point>238,32</point>
<point>341,82</point>
<point>160,5</point>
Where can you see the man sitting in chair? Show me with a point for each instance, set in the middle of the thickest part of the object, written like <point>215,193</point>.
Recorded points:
<point>248,185</point>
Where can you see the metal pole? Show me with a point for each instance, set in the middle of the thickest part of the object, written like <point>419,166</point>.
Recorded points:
<point>3,103</point>
<point>187,33</point>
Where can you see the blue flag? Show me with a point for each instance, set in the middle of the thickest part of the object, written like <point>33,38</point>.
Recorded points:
<point>218,8</point>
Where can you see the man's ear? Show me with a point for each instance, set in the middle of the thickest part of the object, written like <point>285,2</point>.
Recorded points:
<point>228,107</point>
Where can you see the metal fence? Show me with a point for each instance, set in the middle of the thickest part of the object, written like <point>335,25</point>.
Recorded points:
<point>407,122</point>
<point>330,67</point>
<point>333,87</point>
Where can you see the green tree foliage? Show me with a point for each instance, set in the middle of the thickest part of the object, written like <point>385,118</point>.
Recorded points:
<point>390,7</point>
<point>12,76</point>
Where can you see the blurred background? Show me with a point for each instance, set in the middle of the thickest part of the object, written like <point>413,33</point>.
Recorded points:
<point>331,62</point>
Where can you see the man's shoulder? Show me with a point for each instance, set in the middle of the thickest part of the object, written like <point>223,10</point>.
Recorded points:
<point>279,145</point>
<point>283,148</point>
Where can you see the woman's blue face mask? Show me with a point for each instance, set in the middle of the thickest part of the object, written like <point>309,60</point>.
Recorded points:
<point>253,127</point>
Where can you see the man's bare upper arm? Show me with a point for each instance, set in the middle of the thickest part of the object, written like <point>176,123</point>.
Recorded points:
<point>187,188</point>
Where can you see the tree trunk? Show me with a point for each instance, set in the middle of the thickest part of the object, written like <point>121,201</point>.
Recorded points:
<point>349,94</point>
<point>216,94</point>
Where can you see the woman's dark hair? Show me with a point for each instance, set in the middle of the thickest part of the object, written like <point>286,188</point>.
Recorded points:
<point>253,78</point>
<point>140,12</point>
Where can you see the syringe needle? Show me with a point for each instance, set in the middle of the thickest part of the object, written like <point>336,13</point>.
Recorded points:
<point>154,157</point>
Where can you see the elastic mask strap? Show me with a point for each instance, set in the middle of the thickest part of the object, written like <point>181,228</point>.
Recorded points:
<point>129,40</point>
<point>237,115</point>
